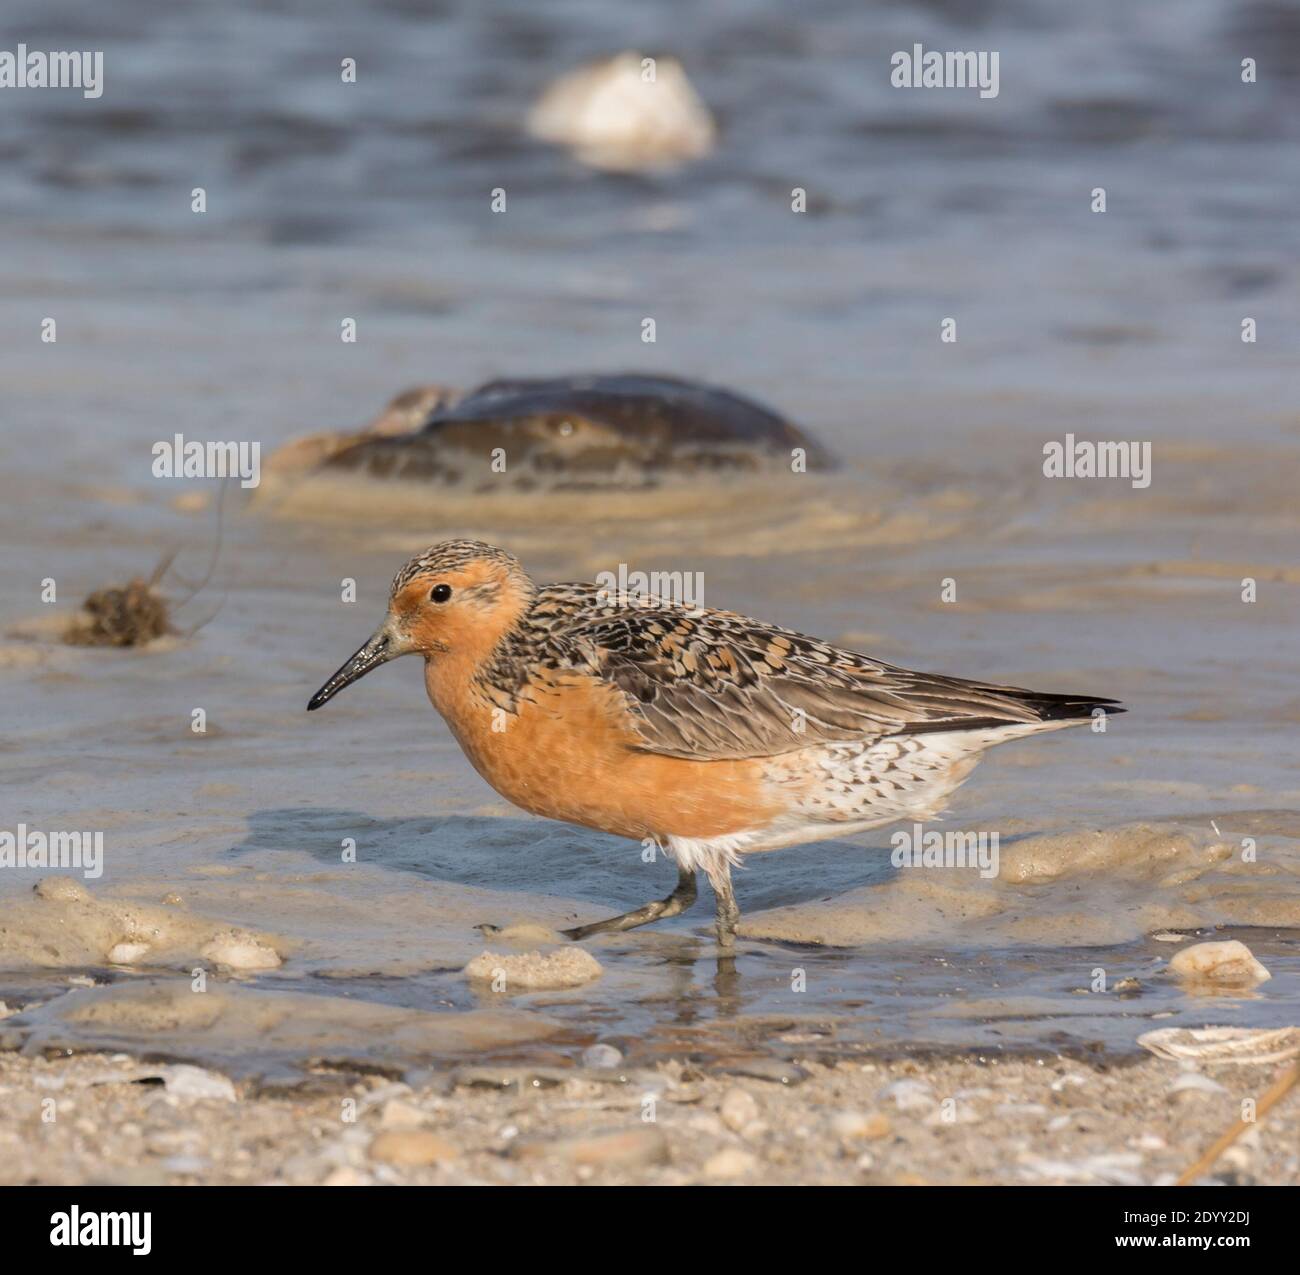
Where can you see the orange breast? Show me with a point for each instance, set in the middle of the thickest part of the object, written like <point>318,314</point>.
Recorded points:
<point>567,753</point>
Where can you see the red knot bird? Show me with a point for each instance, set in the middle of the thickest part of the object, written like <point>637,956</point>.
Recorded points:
<point>705,732</point>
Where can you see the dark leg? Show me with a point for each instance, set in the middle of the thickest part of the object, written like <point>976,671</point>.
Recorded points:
<point>678,901</point>
<point>728,912</point>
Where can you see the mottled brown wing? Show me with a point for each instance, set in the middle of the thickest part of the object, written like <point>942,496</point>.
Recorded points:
<point>717,685</point>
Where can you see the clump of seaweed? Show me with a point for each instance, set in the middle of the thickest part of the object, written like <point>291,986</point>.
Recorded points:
<point>136,613</point>
<point>123,615</point>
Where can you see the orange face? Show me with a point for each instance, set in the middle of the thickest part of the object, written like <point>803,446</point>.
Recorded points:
<point>460,611</point>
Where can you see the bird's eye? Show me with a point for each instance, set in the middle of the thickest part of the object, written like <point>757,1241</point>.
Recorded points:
<point>440,592</point>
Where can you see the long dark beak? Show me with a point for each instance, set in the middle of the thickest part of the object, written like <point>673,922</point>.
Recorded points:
<point>379,650</point>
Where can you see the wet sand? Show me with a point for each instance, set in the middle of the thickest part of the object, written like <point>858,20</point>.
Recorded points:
<point>912,1121</point>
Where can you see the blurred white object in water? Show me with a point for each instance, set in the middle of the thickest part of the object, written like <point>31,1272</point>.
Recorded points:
<point>614,115</point>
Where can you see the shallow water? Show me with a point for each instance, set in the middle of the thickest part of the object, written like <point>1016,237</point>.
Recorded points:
<point>371,202</point>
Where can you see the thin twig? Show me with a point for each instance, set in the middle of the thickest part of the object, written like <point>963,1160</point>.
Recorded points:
<point>1270,1098</point>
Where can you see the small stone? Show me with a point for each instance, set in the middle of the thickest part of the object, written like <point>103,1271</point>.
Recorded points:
<point>411,1148</point>
<point>531,971</point>
<point>185,1081</point>
<point>190,1165</point>
<point>127,953</point>
<point>738,1108</point>
<point>909,1095</point>
<point>730,1162</point>
<point>707,1123</point>
<point>345,1176</point>
<point>1229,964</point>
<point>401,1115</point>
<point>770,1069</point>
<point>1195,1081</point>
<point>617,1149</point>
<point>61,890</point>
<point>860,1124</point>
<point>240,952</point>
<point>601,1056</point>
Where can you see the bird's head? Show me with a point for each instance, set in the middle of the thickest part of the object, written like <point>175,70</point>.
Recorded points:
<point>457,598</point>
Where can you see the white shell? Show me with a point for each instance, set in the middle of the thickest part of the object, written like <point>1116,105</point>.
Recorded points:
<point>1246,1045</point>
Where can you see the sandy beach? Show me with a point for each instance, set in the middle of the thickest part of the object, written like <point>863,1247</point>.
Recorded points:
<point>903,1122</point>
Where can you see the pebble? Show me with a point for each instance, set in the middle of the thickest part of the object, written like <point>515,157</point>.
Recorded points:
<point>707,1123</point>
<point>240,952</point>
<point>1118,1168</point>
<point>909,1095</point>
<point>185,1081</point>
<point>191,1165</point>
<point>126,953</point>
<point>738,1108</point>
<point>601,1056</point>
<point>344,1176</point>
<point>507,1077</point>
<point>401,1115</point>
<point>411,1148</point>
<point>531,971</point>
<point>616,1149</point>
<point>1197,1082</point>
<point>772,1069</point>
<point>730,1162</point>
<point>1230,963</point>
<point>860,1124</point>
